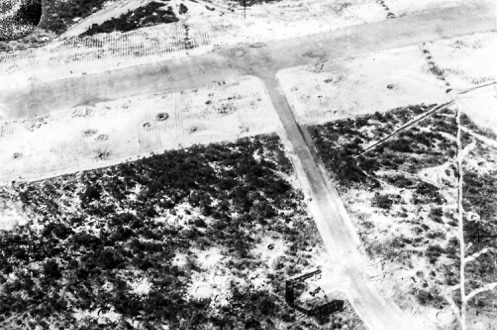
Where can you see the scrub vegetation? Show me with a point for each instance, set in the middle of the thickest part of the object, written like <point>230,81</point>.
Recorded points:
<point>403,197</point>
<point>198,238</point>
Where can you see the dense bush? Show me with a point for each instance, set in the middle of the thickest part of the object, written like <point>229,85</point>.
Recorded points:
<point>106,238</point>
<point>382,201</point>
<point>58,15</point>
<point>433,252</point>
<point>152,13</point>
<point>345,161</point>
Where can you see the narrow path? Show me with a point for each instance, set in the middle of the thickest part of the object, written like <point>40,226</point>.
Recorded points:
<point>333,222</point>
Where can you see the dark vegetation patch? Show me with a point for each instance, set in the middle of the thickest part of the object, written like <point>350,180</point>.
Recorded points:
<point>383,201</point>
<point>250,3</point>
<point>340,144</point>
<point>427,144</point>
<point>59,15</point>
<point>151,14</point>
<point>90,232</point>
<point>29,13</point>
<point>480,193</point>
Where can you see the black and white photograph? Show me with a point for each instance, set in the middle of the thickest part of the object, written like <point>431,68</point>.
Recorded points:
<point>248,164</point>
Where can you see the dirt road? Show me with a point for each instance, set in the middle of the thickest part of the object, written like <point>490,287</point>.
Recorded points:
<point>333,222</point>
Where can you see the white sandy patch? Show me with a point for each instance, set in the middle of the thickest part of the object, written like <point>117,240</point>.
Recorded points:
<point>210,258</point>
<point>407,7</point>
<point>10,218</point>
<point>481,107</point>
<point>441,175</point>
<point>210,285</point>
<point>108,286</point>
<point>179,216</point>
<point>180,260</point>
<point>102,317</point>
<point>141,287</point>
<point>133,194</point>
<point>258,280</point>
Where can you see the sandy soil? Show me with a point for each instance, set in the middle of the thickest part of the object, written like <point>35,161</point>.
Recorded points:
<point>207,31</point>
<point>105,133</point>
<point>467,61</point>
<point>403,7</point>
<point>370,82</point>
<point>186,72</point>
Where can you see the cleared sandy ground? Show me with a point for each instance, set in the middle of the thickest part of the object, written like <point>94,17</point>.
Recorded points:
<point>207,31</point>
<point>105,133</point>
<point>401,7</point>
<point>467,61</point>
<point>367,83</point>
<point>380,81</point>
<point>185,72</point>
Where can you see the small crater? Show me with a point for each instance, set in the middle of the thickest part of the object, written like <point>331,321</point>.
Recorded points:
<point>147,125</point>
<point>89,132</point>
<point>391,86</point>
<point>270,247</point>
<point>317,54</point>
<point>102,137</point>
<point>86,112</point>
<point>162,116</point>
<point>17,155</point>
<point>239,52</point>
<point>102,154</point>
<point>257,45</point>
